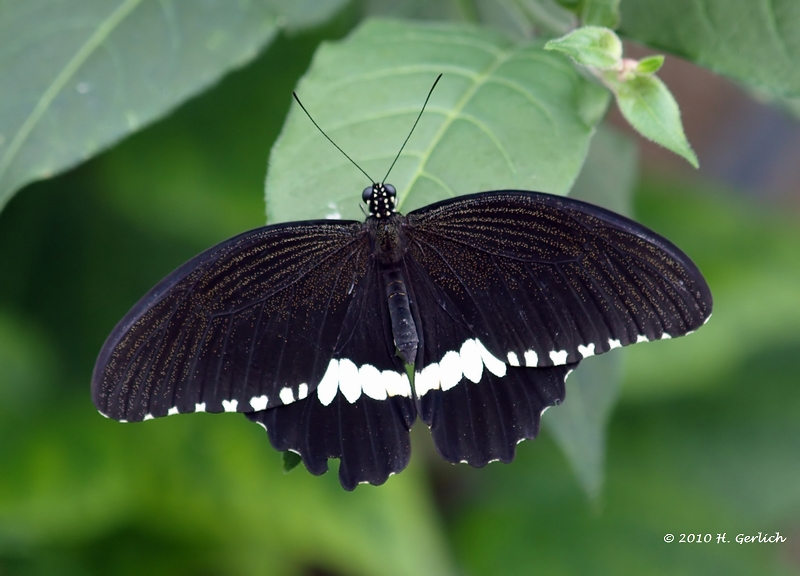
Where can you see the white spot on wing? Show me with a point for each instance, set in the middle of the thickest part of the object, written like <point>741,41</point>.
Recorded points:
<point>326,390</point>
<point>450,370</point>
<point>642,338</point>
<point>471,364</point>
<point>614,344</point>
<point>396,384</point>
<point>148,416</point>
<point>586,351</point>
<point>492,363</point>
<point>286,395</point>
<point>665,336</point>
<point>349,382</point>
<point>372,382</point>
<point>172,411</point>
<point>531,358</point>
<point>302,391</point>
<point>201,407</point>
<point>259,402</point>
<point>230,405</point>
<point>559,357</point>
<point>512,359</point>
<point>428,379</point>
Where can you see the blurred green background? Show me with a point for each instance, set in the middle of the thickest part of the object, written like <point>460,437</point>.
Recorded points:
<point>703,441</point>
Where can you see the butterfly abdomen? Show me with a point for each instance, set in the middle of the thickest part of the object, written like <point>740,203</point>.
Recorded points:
<point>404,330</point>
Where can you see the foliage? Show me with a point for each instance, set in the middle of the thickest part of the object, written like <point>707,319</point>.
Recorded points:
<point>699,421</point>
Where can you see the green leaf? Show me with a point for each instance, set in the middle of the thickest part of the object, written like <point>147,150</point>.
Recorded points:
<point>547,17</point>
<point>610,173</point>
<point>600,13</point>
<point>291,460</point>
<point>590,46</point>
<point>579,424</point>
<point>754,41</point>
<point>77,76</point>
<point>519,18</point>
<point>650,65</point>
<point>650,108</point>
<point>504,115</point>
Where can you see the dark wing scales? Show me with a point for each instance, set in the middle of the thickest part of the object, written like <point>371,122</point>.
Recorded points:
<point>363,410</point>
<point>545,280</point>
<point>249,324</point>
<point>480,423</point>
<point>477,407</point>
<point>369,436</point>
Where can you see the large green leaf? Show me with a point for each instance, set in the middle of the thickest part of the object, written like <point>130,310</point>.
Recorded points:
<point>76,76</point>
<point>753,41</point>
<point>520,18</point>
<point>610,173</point>
<point>504,115</point>
<point>579,424</point>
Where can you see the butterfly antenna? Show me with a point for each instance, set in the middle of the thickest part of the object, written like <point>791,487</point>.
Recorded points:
<point>412,128</point>
<point>371,181</point>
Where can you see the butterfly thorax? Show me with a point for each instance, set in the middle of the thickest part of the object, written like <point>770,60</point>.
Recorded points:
<point>388,243</point>
<point>388,247</point>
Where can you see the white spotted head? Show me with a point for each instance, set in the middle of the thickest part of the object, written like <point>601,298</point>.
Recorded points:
<point>380,198</point>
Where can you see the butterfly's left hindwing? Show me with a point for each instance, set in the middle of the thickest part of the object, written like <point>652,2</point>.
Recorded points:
<point>251,323</point>
<point>363,410</point>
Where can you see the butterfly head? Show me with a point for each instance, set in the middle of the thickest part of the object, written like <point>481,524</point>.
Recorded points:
<point>380,198</point>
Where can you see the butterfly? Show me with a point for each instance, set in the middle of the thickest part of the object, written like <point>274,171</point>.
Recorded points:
<point>335,336</point>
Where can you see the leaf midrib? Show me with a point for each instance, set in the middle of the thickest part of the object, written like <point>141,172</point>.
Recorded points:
<point>99,36</point>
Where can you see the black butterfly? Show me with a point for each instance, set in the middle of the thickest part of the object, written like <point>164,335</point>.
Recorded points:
<point>308,328</point>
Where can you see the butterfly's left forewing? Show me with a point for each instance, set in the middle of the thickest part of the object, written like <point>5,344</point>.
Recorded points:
<point>251,323</point>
